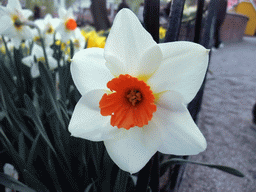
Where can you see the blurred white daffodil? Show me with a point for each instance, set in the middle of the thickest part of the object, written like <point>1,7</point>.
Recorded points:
<point>135,93</point>
<point>67,25</point>
<point>12,18</point>
<point>37,52</point>
<point>78,40</point>
<point>11,171</point>
<point>47,26</point>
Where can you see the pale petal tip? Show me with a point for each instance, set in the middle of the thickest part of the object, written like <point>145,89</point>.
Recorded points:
<point>202,145</point>
<point>208,51</point>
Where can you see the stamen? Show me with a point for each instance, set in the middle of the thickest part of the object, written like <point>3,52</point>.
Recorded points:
<point>134,96</point>
<point>50,29</point>
<point>17,22</point>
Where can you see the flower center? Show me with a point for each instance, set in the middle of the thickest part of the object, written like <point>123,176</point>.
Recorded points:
<point>17,22</point>
<point>134,96</point>
<point>42,59</point>
<point>76,43</point>
<point>50,29</point>
<point>71,24</point>
<point>130,104</point>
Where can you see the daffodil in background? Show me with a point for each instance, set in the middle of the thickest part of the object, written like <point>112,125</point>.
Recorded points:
<point>2,46</point>
<point>12,18</point>
<point>93,39</point>
<point>162,32</point>
<point>78,40</point>
<point>135,93</point>
<point>47,26</point>
<point>11,171</point>
<point>67,25</point>
<point>37,52</point>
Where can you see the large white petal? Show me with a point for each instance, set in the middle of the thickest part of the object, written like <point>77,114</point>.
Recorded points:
<point>37,51</point>
<point>27,13</point>
<point>13,4</point>
<point>182,70</point>
<point>35,70</point>
<point>25,33</point>
<point>3,10</point>
<point>170,100</point>
<point>62,12</point>
<point>128,41</point>
<point>70,13</point>
<point>47,18</point>
<point>53,64</point>
<point>28,61</point>
<point>89,71</point>
<point>87,122</point>
<point>6,23</point>
<point>40,23</point>
<point>16,42</point>
<point>129,149</point>
<point>150,61</point>
<point>179,134</point>
<point>55,22</point>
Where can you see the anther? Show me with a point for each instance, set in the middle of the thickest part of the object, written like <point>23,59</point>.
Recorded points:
<point>134,96</point>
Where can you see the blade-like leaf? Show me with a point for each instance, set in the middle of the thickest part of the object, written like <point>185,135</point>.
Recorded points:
<point>33,151</point>
<point>21,86</point>
<point>22,146</point>
<point>52,171</point>
<point>12,183</point>
<point>27,171</point>
<point>90,186</point>
<point>121,181</point>
<point>50,92</point>
<point>7,78</point>
<point>32,112</point>
<point>12,111</point>
<point>47,78</point>
<point>2,115</point>
<point>220,167</point>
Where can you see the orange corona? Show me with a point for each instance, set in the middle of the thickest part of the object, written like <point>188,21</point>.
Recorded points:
<point>71,24</point>
<point>131,103</point>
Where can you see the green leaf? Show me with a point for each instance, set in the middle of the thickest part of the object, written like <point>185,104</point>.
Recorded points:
<point>33,151</point>
<point>121,181</point>
<point>10,108</point>
<point>50,92</point>
<point>26,171</point>
<point>33,181</point>
<point>20,83</point>
<point>64,111</point>
<point>7,79</point>
<point>183,161</point>
<point>52,171</point>
<point>89,187</point>
<point>2,115</point>
<point>22,146</point>
<point>47,78</point>
<point>39,125</point>
<point>12,183</point>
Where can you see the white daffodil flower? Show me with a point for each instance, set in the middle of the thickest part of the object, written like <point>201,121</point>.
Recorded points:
<point>78,40</point>
<point>11,18</point>
<point>135,93</point>
<point>37,52</point>
<point>67,25</point>
<point>11,171</point>
<point>47,26</point>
